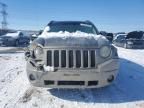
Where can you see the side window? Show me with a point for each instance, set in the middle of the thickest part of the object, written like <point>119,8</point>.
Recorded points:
<point>21,35</point>
<point>121,37</point>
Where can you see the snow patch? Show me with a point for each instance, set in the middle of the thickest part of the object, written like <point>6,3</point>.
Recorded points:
<point>66,34</point>
<point>48,68</point>
<point>75,38</point>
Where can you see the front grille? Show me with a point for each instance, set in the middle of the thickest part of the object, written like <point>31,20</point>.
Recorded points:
<point>71,83</point>
<point>71,58</point>
<point>92,83</point>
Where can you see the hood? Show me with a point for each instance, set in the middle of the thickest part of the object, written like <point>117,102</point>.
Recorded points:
<point>71,39</point>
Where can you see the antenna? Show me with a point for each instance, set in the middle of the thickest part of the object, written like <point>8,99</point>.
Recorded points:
<point>4,15</point>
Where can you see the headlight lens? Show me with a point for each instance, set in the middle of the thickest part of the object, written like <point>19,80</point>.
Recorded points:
<point>105,51</point>
<point>38,52</point>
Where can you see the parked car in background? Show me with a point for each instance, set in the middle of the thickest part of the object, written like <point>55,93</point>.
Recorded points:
<point>34,36</point>
<point>109,36</point>
<point>130,40</point>
<point>14,39</point>
<point>119,33</point>
<point>71,54</point>
<point>104,33</point>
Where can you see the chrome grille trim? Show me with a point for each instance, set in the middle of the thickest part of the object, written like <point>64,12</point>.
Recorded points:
<point>67,58</point>
<point>95,58</point>
<point>59,58</point>
<point>75,63</point>
<point>52,57</point>
<point>89,58</point>
<point>74,58</point>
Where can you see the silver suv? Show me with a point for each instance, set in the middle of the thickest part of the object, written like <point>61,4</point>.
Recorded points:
<point>71,54</point>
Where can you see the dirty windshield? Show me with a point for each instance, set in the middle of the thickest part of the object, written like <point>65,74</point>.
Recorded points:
<point>72,27</point>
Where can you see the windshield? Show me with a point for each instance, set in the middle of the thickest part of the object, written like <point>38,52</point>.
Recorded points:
<point>72,27</point>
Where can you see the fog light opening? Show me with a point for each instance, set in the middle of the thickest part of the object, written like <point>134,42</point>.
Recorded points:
<point>110,79</point>
<point>32,77</point>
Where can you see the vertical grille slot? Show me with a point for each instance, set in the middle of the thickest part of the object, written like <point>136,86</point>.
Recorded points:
<point>78,58</point>
<point>92,58</point>
<point>85,58</point>
<point>56,58</point>
<point>70,58</point>
<point>63,58</point>
<point>49,58</point>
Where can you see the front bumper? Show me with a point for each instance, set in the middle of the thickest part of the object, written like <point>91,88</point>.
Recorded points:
<point>135,46</point>
<point>101,76</point>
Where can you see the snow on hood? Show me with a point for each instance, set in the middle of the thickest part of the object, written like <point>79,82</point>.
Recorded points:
<point>66,34</point>
<point>75,38</point>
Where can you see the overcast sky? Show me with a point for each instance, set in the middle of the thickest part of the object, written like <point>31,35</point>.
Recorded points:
<point>108,15</point>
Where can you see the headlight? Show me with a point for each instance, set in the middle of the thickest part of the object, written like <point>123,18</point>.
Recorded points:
<point>105,51</point>
<point>38,52</point>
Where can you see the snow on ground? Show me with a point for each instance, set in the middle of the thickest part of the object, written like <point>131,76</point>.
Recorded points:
<point>125,92</point>
<point>5,50</point>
